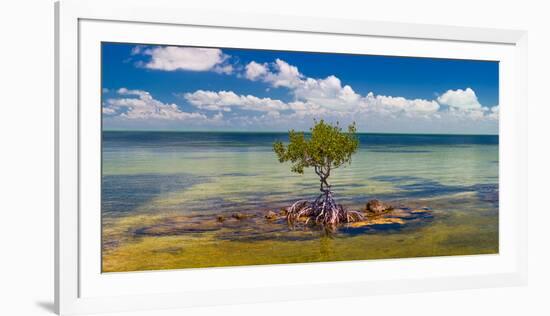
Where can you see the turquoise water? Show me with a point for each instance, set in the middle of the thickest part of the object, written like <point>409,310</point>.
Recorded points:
<point>163,174</point>
<point>199,172</point>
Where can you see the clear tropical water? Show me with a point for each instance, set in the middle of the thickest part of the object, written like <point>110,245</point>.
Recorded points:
<point>166,178</point>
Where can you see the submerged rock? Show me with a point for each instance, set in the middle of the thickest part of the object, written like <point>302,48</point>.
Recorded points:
<point>377,207</point>
<point>377,221</point>
<point>271,215</point>
<point>267,224</point>
<point>240,216</point>
<point>382,216</point>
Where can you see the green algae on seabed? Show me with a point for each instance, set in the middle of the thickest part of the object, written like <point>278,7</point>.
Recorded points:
<point>256,242</point>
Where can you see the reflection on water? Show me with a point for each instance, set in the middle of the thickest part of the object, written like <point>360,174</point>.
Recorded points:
<point>156,184</point>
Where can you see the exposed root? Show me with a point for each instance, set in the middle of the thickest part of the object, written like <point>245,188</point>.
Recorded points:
<point>323,211</point>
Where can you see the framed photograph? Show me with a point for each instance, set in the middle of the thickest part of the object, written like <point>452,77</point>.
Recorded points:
<point>211,157</point>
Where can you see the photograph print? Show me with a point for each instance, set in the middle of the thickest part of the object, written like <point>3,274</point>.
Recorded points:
<point>220,157</point>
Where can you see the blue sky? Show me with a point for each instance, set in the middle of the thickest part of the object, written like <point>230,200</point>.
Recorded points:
<point>152,87</point>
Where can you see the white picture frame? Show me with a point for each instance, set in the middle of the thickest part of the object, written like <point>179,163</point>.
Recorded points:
<point>81,288</point>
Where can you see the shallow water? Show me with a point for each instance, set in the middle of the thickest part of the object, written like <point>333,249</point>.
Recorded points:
<point>151,179</point>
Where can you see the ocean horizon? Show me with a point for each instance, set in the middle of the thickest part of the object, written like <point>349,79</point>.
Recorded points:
<point>286,132</point>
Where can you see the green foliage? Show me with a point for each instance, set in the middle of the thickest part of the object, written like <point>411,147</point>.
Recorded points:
<point>327,147</point>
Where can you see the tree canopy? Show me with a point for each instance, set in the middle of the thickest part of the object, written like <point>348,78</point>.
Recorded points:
<point>326,147</point>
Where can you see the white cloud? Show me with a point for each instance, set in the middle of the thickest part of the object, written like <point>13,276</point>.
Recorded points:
<point>309,110</point>
<point>218,117</point>
<point>109,110</point>
<point>494,112</point>
<point>482,113</point>
<point>226,100</point>
<point>223,69</point>
<point>329,96</point>
<point>283,74</point>
<point>398,105</point>
<point>254,71</point>
<point>467,114</point>
<point>326,98</point>
<point>136,50</point>
<point>328,93</point>
<point>464,104</point>
<point>140,105</point>
<point>460,99</point>
<point>171,58</point>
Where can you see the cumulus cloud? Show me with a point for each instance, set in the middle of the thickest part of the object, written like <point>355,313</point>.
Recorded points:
<point>460,99</point>
<point>464,104</point>
<point>277,74</point>
<point>494,112</point>
<point>254,70</point>
<point>310,97</point>
<point>331,99</point>
<point>328,93</point>
<point>285,75</point>
<point>171,58</point>
<point>109,110</point>
<point>226,100</point>
<point>330,96</point>
<point>140,105</point>
<point>338,99</point>
<point>398,105</point>
<point>308,109</point>
<point>327,97</point>
<point>136,50</point>
<point>223,69</point>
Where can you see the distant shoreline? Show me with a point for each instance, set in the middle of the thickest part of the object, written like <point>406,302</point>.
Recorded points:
<point>286,132</point>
